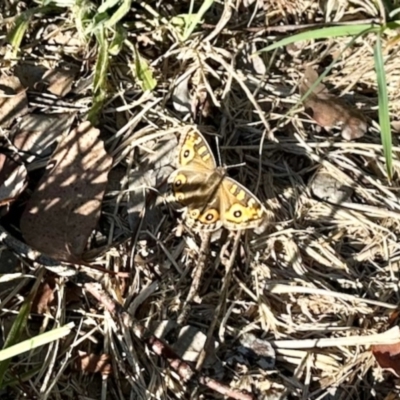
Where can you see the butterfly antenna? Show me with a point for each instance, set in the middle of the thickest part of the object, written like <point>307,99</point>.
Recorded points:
<point>220,160</point>
<point>235,165</point>
<point>218,151</point>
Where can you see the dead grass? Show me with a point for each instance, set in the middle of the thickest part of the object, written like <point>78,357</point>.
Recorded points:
<point>318,284</point>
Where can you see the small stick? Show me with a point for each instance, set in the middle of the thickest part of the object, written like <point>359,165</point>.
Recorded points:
<point>184,370</point>
<point>290,28</point>
<point>225,17</point>
<point>228,265</point>
<point>197,275</point>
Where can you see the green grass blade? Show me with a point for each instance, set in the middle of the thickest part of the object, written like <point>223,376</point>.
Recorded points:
<point>35,342</point>
<point>384,121</point>
<point>59,3</point>
<point>100,75</point>
<point>82,14</point>
<point>107,5</point>
<point>15,332</point>
<point>194,19</point>
<point>117,41</point>
<point>100,71</point>
<point>330,32</point>
<point>141,70</point>
<point>122,10</point>
<point>96,24</point>
<point>17,34</point>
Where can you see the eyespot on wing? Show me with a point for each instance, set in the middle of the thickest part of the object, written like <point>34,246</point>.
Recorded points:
<point>179,181</point>
<point>239,213</point>
<point>209,216</point>
<point>187,154</point>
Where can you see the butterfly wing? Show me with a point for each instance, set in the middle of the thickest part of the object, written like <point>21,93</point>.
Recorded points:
<point>211,199</point>
<point>197,189</point>
<point>196,165</point>
<point>194,151</point>
<point>240,208</point>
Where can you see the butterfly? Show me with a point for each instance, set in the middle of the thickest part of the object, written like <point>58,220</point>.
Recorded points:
<point>210,198</point>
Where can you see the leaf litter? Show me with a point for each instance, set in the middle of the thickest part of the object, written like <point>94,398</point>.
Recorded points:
<point>330,111</point>
<point>59,81</point>
<point>13,100</point>
<point>65,207</point>
<point>36,135</point>
<point>13,179</point>
<point>318,286</point>
<point>93,363</point>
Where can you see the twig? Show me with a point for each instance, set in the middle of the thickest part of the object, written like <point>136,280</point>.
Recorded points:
<point>388,337</point>
<point>228,265</point>
<point>290,28</point>
<point>184,370</point>
<point>225,17</point>
<point>197,275</point>
<point>280,288</point>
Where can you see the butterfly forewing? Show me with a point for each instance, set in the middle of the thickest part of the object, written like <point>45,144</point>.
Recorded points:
<point>195,151</point>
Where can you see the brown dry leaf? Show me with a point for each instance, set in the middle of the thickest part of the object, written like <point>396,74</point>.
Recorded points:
<point>201,101</point>
<point>29,74</point>
<point>65,207</point>
<point>388,356</point>
<point>392,396</point>
<point>93,363</point>
<point>330,111</point>
<point>38,132</point>
<point>13,100</point>
<point>44,298</point>
<point>393,317</point>
<point>59,81</point>
<point>12,187</point>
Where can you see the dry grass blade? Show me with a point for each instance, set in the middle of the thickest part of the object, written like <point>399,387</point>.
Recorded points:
<point>320,283</point>
<point>197,275</point>
<point>228,265</point>
<point>184,370</point>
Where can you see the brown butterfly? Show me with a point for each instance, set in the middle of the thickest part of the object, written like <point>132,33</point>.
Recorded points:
<point>211,199</point>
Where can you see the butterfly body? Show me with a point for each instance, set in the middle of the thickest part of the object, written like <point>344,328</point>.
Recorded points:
<point>211,198</point>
